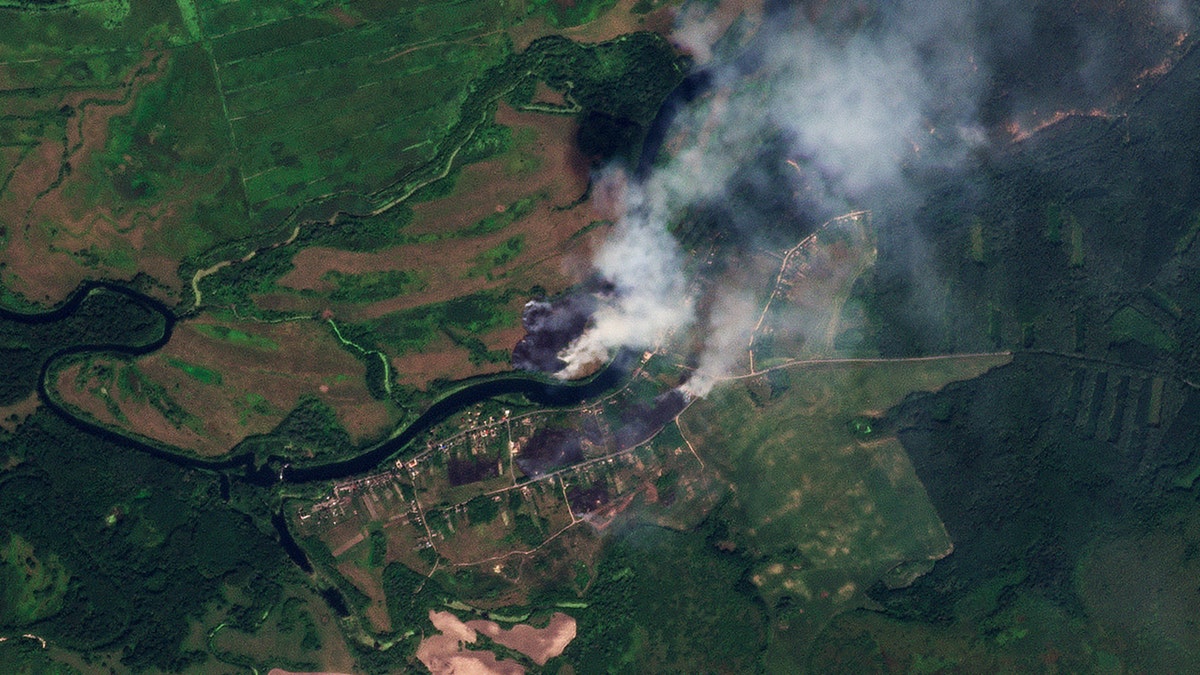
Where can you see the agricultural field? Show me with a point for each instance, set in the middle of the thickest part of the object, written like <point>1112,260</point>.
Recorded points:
<point>218,383</point>
<point>114,160</point>
<point>175,164</point>
<point>835,503</point>
<point>344,99</point>
<point>415,224</point>
<point>810,312</point>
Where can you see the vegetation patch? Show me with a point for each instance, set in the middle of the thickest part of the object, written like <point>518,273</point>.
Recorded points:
<point>829,482</point>
<point>470,315</point>
<point>198,373</point>
<point>572,12</point>
<point>498,221</point>
<point>31,587</point>
<point>1129,324</point>
<point>371,286</point>
<point>148,546</point>
<point>497,256</point>
<point>236,337</point>
<point>710,624</point>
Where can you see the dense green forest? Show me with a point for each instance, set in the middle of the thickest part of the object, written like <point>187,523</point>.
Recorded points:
<point>103,318</point>
<point>146,546</point>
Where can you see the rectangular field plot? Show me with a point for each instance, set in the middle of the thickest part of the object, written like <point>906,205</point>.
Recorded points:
<point>809,313</point>
<point>459,468</point>
<point>492,526</point>
<point>349,98</point>
<point>815,474</point>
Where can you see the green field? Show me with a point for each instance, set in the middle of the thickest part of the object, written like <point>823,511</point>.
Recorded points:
<point>320,107</point>
<point>825,501</point>
<point>1129,324</point>
<point>286,637</point>
<point>827,487</point>
<point>703,621</point>
<point>900,514</point>
<point>372,286</point>
<point>31,586</point>
<point>199,373</point>
<point>236,337</point>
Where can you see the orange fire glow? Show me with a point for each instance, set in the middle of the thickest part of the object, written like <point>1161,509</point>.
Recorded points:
<point>1019,133</point>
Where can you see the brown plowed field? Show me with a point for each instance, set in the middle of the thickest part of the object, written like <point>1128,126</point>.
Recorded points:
<point>539,644</point>
<point>11,416</point>
<point>443,653</point>
<point>549,258</point>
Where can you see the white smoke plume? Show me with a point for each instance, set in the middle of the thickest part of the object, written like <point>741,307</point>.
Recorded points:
<point>853,109</point>
<point>643,262</point>
<point>728,331</point>
<point>1174,14</point>
<point>864,114</point>
<point>863,110</point>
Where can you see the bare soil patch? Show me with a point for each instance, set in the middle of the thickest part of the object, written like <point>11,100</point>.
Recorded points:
<point>73,387</point>
<point>453,362</point>
<point>33,268</point>
<point>343,537</point>
<point>59,220</point>
<point>444,654</point>
<point>550,256</point>
<point>539,644</point>
<point>95,395</point>
<point>308,360</point>
<point>545,95</point>
<point>417,370</point>
<point>11,416</point>
<point>612,24</point>
<point>256,389</point>
<point>553,256</point>
<point>561,172</point>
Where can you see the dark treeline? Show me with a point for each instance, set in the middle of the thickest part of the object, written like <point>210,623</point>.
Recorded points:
<point>147,544</point>
<point>97,316</point>
<point>708,614</point>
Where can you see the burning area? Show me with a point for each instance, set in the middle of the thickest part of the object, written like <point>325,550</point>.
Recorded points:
<point>640,422</point>
<point>548,450</point>
<point>465,471</point>
<point>551,326</point>
<point>585,500</point>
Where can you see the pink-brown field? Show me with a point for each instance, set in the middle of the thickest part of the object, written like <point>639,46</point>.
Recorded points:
<point>444,653</point>
<point>261,379</point>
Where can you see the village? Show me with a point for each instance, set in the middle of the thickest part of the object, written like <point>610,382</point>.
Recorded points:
<point>487,487</point>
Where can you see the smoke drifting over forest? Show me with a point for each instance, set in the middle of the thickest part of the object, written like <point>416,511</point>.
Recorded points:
<point>868,112</point>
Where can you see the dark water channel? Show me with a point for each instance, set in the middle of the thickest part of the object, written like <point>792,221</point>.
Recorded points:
<point>538,389</point>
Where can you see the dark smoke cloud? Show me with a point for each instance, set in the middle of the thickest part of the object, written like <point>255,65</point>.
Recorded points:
<point>550,326</point>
